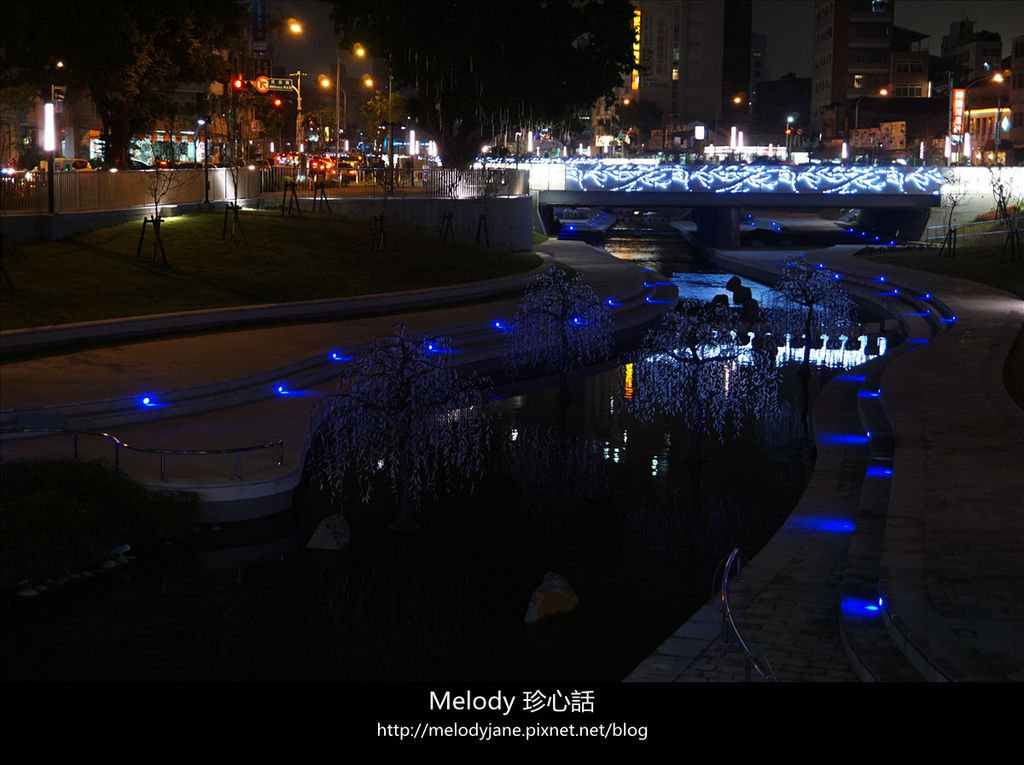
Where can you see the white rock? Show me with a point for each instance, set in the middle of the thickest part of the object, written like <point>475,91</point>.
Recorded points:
<point>332,534</point>
<point>27,592</point>
<point>554,596</point>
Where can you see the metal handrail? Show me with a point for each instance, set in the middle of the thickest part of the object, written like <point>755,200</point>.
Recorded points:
<point>119,444</point>
<point>753,658</point>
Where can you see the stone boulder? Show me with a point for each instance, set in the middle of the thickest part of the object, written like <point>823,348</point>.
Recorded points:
<point>332,534</point>
<point>554,596</point>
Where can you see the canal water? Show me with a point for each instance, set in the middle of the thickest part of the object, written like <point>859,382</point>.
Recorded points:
<point>586,492</point>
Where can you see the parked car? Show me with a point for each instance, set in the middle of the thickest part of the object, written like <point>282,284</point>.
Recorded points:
<point>65,164</point>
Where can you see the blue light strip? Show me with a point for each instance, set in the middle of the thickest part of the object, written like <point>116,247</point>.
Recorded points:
<point>875,471</point>
<point>842,438</point>
<point>821,523</point>
<point>860,607</point>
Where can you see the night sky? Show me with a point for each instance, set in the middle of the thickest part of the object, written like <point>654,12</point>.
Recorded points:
<point>788,24</point>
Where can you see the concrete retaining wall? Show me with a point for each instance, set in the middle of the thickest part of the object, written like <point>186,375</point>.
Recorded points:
<point>509,219</point>
<point>976,186</point>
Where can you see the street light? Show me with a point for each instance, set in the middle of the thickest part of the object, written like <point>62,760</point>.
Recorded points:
<point>998,79</point>
<point>856,109</point>
<point>296,28</point>
<point>368,81</point>
<point>204,125</point>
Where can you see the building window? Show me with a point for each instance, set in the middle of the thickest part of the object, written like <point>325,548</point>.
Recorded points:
<point>675,73</point>
<point>907,90</point>
<point>858,80</point>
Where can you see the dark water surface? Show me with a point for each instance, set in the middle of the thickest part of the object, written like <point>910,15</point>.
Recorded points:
<point>612,506</point>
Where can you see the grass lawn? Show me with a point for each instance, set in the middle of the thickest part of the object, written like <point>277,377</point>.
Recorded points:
<point>96,275</point>
<point>978,264</point>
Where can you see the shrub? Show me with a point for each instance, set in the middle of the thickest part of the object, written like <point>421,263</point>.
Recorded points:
<point>59,515</point>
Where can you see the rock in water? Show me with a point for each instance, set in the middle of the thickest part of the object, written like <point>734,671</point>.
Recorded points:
<point>332,534</point>
<point>553,597</point>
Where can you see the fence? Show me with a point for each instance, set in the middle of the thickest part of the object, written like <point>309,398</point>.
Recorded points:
<point>94,191</point>
<point>982,232</point>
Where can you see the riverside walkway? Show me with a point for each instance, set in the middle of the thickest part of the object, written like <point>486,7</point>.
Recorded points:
<point>242,387</point>
<point>924,514</point>
<point>901,562</point>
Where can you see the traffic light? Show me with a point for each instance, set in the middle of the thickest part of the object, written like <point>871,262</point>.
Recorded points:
<point>789,131</point>
<point>237,82</point>
<point>277,102</point>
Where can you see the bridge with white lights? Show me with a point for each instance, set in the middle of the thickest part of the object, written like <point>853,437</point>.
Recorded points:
<point>894,199</point>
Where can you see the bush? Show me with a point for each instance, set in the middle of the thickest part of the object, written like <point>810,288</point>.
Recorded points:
<point>60,515</point>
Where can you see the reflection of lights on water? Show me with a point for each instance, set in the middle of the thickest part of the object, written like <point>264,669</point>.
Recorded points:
<point>627,387</point>
<point>654,466</point>
<point>514,435</point>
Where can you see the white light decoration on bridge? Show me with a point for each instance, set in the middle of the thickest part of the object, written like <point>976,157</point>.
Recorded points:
<point>746,179</point>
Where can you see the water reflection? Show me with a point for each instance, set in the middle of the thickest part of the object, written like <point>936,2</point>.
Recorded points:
<point>610,506</point>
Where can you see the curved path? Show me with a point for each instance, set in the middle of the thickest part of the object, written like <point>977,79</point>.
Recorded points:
<point>925,518</point>
<point>218,390</point>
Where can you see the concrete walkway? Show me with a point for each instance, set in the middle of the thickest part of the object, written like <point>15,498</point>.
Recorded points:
<point>923,517</point>
<point>902,561</point>
<point>218,391</point>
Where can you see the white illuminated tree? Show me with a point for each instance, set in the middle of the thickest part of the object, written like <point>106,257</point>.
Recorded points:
<point>812,303</point>
<point>560,324</point>
<point>401,414</point>
<point>692,366</point>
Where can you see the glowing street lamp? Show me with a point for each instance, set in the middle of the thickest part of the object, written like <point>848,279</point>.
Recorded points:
<point>998,79</point>
<point>368,81</point>
<point>296,28</point>
<point>50,147</point>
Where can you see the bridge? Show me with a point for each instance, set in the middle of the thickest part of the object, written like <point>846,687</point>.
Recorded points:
<point>893,199</point>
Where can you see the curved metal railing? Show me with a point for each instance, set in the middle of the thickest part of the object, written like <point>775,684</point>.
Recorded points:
<point>119,445</point>
<point>754,658</point>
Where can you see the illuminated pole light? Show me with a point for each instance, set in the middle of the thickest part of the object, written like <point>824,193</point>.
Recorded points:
<point>49,128</point>
<point>946,150</point>
<point>413,148</point>
<point>529,142</point>
<point>739,139</point>
<point>846,151</point>
<point>732,137</point>
<point>920,151</point>
<point>967,148</point>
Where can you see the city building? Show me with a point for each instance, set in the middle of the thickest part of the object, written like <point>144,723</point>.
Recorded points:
<point>852,58</point>
<point>1015,135</point>
<point>978,52</point>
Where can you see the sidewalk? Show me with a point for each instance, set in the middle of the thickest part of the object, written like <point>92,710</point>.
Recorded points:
<point>222,387</point>
<point>902,560</point>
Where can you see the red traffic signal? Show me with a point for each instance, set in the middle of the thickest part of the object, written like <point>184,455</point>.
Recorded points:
<point>238,82</point>
<point>277,103</point>
<point>788,131</point>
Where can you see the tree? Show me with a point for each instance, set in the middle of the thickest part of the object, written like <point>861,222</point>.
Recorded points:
<point>128,57</point>
<point>373,115</point>
<point>953,194</point>
<point>813,303</point>
<point>159,185</point>
<point>559,324</point>
<point>488,70</point>
<point>402,415</point>
<point>693,366</point>
<point>1008,207</point>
